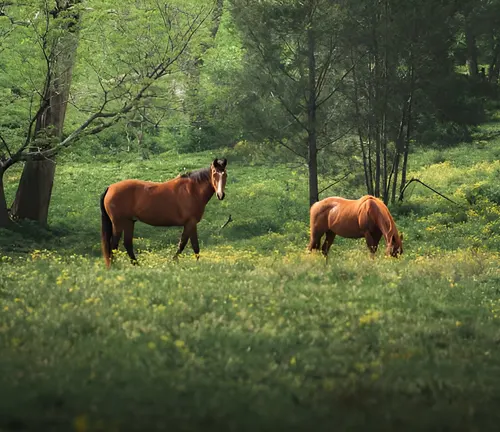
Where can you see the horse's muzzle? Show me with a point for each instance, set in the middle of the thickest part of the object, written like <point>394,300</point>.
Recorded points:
<point>221,196</point>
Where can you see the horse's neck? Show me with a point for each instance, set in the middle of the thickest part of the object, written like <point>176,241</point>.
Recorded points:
<point>206,191</point>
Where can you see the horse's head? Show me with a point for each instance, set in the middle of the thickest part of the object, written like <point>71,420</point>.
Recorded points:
<point>218,176</point>
<point>396,245</point>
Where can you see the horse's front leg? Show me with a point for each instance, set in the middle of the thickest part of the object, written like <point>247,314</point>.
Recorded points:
<point>372,243</point>
<point>186,233</point>
<point>194,242</point>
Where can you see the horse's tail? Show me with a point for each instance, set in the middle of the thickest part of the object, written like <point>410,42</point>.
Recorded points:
<point>106,232</point>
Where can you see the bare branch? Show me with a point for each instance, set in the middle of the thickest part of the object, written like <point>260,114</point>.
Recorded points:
<point>337,138</point>
<point>6,145</point>
<point>401,195</point>
<point>341,80</point>
<point>229,219</point>
<point>334,183</point>
<point>96,122</point>
<point>280,98</point>
<point>326,67</point>
<point>291,149</point>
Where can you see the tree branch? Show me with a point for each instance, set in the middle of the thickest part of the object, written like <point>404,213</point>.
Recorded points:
<point>319,103</point>
<point>401,195</point>
<point>334,183</point>
<point>337,139</point>
<point>291,149</point>
<point>229,219</point>
<point>6,146</point>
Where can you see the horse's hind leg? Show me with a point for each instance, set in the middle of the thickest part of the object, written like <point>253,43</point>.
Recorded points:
<point>115,237</point>
<point>115,240</point>
<point>329,238</point>
<point>315,242</point>
<point>127,240</point>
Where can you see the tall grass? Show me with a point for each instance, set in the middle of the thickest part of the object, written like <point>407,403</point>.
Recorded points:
<point>257,335</point>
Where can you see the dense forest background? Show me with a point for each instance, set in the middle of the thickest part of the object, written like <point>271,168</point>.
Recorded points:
<point>334,88</point>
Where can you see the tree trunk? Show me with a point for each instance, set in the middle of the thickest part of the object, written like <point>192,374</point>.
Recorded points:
<point>311,121</point>
<point>470,40</point>
<point>216,17</point>
<point>377,162</point>
<point>399,150</point>
<point>197,117</point>
<point>395,178</point>
<point>406,149</point>
<point>35,187</point>
<point>4,214</point>
<point>34,191</point>
<point>360,133</point>
<point>385,111</point>
<point>385,171</point>
<point>493,67</point>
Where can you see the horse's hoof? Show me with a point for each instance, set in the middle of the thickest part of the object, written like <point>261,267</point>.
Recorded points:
<point>197,257</point>
<point>134,262</point>
<point>175,258</point>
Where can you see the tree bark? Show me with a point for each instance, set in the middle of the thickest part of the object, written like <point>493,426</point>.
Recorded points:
<point>4,214</point>
<point>35,187</point>
<point>470,40</point>
<point>216,17</point>
<point>311,121</point>
<point>368,180</point>
<point>406,149</point>
<point>493,68</point>
<point>35,190</point>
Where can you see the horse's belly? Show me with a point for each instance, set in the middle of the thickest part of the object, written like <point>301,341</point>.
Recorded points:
<point>347,233</point>
<point>343,224</point>
<point>345,229</point>
<point>160,220</point>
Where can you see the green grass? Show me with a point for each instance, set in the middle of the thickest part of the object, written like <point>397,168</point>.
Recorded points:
<point>257,335</point>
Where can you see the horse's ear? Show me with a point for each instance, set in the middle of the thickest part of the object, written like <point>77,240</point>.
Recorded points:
<point>224,163</point>
<point>215,162</point>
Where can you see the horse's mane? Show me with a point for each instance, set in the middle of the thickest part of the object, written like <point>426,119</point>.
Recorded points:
<point>198,176</point>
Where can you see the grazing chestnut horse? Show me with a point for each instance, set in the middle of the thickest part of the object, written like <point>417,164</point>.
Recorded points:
<point>366,217</point>
<point>177,202</point>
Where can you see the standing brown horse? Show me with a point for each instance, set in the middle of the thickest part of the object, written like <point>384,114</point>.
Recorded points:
<point>177,202</point>
<point>366,217</point>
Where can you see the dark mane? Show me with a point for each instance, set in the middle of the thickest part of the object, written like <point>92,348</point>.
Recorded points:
<point>198,176</point>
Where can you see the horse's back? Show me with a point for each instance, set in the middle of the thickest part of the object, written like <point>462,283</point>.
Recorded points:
<point>335,214</point>
<point>150,202</point>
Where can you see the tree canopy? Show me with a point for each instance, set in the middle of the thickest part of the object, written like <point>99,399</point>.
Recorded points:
<point>338,87</point>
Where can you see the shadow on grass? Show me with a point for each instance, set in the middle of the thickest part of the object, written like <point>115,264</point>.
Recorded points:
<point>127,388</point>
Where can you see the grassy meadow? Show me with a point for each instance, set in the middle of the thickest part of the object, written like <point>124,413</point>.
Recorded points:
<point>259,334</point>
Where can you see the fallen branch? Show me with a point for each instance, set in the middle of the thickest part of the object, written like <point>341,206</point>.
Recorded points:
<point>229,219</point>
<point>401,195</point>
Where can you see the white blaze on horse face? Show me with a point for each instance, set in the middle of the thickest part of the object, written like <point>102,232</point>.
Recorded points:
<point>220,186</point>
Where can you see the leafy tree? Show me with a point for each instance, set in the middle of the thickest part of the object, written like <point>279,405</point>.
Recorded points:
<point>404,84</point>
<point>124,49</point>
<point>294,64</point>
